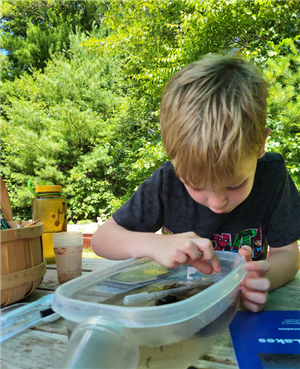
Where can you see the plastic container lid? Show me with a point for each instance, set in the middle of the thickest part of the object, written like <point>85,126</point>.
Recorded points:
<point>86,296</point>
<point>65,239</point>
<point>48,188</point>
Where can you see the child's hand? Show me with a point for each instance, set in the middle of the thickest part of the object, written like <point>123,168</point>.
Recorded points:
<point>254,287</point>
<point>183,248</point>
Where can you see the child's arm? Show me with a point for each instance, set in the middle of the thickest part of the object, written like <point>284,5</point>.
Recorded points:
<point>266,275</point>
<point>115,242</point>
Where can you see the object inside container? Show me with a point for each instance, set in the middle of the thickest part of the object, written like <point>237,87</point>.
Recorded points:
<point>195,287</point>
<point>151,278</point>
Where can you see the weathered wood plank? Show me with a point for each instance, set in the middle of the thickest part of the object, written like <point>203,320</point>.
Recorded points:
<point>57,327</point>
<point>223,347</point>
<point>5,365</point>
<point>33,350</point>
<point>50,282</point>
<point>203,364</point>
<point>283,299</point>
<point>96,264</point>
<point>220,355</point>
<point>92,264</point>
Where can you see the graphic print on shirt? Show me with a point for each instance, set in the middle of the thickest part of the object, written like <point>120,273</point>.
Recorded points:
<point>257,247</point>
<point>249,237</point>
<point>223,242</point>
<point>166,231</point>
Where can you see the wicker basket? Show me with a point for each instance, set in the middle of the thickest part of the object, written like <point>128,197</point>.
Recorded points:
<point>22,263</point>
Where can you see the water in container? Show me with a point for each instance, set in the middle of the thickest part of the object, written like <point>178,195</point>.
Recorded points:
<point>175,315</point>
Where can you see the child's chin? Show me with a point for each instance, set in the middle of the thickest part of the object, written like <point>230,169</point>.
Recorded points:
<point>221,211</point>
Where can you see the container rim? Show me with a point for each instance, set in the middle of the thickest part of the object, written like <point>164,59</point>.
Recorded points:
<point>77,310</point>
<point>67,239</point>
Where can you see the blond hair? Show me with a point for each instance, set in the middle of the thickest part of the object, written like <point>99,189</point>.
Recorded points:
<point>212,116</point>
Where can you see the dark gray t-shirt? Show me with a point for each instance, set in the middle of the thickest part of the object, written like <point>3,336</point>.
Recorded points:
<point>271,211</point>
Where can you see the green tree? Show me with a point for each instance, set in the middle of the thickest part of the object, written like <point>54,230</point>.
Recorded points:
<point>156,38</point>
<point>33,30</point>
<point>89,119</point>
<point>57,126</point>
<point>283,73</point>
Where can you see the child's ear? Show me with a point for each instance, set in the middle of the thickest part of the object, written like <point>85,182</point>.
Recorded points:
<point>261,151</point>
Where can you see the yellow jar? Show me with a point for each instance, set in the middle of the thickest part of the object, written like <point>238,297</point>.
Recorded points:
<point>51,208</point>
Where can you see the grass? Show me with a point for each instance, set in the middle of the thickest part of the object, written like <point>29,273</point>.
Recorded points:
<point>89,253</point>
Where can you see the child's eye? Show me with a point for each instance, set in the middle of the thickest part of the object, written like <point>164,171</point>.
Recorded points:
<point>197,189</point>
<point>235,188</point>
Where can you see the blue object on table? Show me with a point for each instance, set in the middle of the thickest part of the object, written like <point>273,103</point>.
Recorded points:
<point>16,318</point>
<point>265,340</point>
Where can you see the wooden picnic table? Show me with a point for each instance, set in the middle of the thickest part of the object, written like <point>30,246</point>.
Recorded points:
<point>44,345</point>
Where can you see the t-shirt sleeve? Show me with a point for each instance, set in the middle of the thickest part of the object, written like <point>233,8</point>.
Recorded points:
<point>143,212</point>
<point>283,227</point>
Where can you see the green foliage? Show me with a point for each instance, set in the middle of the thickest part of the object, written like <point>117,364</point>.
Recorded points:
<point>150,157</point>
<point>31,31</point>
<point>57,127</point>
<point>35,49</point>
<point>283,73</point>
<point>156,38</point>
<point>81,109</point>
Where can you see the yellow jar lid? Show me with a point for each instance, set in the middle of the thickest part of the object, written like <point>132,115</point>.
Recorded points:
<point>49,188</point>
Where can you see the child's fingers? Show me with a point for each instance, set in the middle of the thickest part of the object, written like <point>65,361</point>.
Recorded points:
<point>190,249</point>
<point>208,253</point>
<point>251,306</point>
<point>256,297</point>
<point>258,284</point>
<point>202,266</point>
<point>212,257</point>
<point>188,252</point>
<point>246,251</point>
<point>180,257</point>
<point>259,266</point>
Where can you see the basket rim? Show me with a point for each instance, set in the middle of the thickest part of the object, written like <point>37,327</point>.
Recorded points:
<point>16,279</point>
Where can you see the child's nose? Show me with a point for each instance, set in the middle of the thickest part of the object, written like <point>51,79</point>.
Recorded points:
<point>217,201</point>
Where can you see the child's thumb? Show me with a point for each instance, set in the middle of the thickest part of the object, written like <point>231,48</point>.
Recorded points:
<point>246,251</point>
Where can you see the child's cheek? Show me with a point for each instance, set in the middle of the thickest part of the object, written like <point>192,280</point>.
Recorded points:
<point>200,199</point>
<point>239,196</point>
<point>197,196</point>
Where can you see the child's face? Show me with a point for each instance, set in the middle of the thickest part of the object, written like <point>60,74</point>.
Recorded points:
<point>227,197</point>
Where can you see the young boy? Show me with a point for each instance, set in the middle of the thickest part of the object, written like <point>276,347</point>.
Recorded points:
<point>220,191</point>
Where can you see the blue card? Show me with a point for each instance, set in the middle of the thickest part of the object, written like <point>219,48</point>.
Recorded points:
<point>266,340</point>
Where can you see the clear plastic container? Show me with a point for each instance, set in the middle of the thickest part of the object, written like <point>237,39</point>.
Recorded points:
<point>117,345</point>
<point>51,208</point>
<point>168,336</point>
